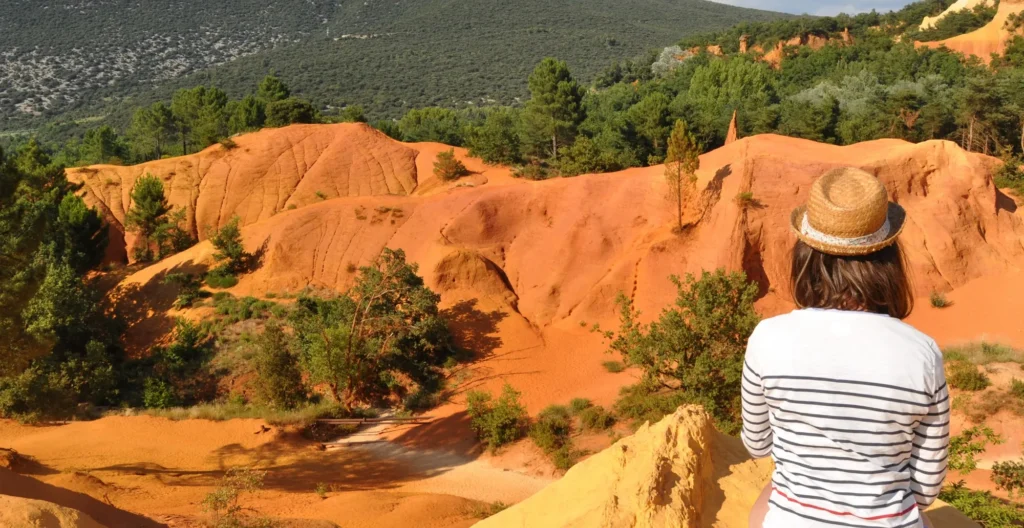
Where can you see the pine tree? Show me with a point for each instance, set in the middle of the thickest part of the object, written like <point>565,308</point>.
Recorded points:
<point>151,130</point>
<point>681,164</point>
<point>273,89</point>
<point>555,107</point>
<point>148,210</point>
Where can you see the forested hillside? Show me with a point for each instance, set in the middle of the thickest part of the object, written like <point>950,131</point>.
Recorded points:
<point>87,58</point>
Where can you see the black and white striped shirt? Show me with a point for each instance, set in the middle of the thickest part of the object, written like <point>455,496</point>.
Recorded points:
<point>853,407</point>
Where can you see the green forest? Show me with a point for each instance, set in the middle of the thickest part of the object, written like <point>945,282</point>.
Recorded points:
<point>385,342</point>
<point>71,61</point>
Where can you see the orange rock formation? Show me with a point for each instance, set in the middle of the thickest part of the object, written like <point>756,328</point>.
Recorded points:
<point>987,41</point>
<point>733,135</point>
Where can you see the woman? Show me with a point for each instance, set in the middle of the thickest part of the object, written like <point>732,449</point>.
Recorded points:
<point>849,401</point>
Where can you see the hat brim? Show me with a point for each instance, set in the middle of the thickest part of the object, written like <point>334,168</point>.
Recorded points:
<point>897,220</point>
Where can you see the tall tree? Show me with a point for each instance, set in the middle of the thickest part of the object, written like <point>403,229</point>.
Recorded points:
<point>273,89</point>
<point>200,115</point>
<point>650,119</point>
<point>555,108</point>
<point>101,145</point>
<point>497,139</point>
<point>245,115</point>
<point>151,130</point>
<point>681,164</point>
<point>147,211</point>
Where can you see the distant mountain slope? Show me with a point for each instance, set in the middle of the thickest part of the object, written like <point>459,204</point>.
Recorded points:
<point>77,58</point>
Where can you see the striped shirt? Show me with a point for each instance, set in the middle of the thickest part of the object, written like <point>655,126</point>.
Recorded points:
<point>854,410</point>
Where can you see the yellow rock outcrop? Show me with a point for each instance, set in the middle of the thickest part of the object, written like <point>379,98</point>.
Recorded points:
<point>680,472</point>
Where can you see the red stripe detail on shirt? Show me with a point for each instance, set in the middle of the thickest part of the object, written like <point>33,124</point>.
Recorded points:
<point>843,514</point>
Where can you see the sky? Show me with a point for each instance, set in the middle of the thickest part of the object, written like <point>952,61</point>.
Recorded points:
<point>820,7</point>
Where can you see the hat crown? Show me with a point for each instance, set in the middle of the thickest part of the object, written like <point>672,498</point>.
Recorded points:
<point>847,203</point>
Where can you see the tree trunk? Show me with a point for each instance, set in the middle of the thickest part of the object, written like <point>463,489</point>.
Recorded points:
<point>970,137</point>
<point>679,201</point>
<point>1022,135</point>
<point>554,147</point>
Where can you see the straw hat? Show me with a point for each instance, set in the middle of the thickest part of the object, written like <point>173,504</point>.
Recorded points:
<point>848,214</point>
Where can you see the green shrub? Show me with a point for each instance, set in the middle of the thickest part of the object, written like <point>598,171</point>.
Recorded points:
<point>939,300</point>
<point>1017,389</point>
<point>230,250</point>
<point>966,376</point>
<point>189,291</point>
<point>578,405</point>
<point>496,423</point>
<point>321,490</point>
<point>983,353</point>
<point>552,428</point>
<point>965,447</point>
<point>566,456</point>
<point>695,348</point>
<point>448,167</point>
<point>744,199</point>
<point>596,418</point>
<point>220,278</point>
<point>159,394</point>
<point>223,503</point>
<point>614,366</point>
<point>645,403</point>
<point>981,506</point>
<point>278,378</point>
<point>1009,476</point>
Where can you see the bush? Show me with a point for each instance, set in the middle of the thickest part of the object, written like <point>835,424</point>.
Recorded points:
<point>982,506</point>
<point>645,403</point>
<point>694,351</point>
<point>614,366</point>
<point>552,428</point>
<point>159,394</point>
<point>966,376</point>
<point>230,250</point>
<point>1017,389</point>
<point>983,353</point>
<point>220,278</point>
<point>578,405</point>
<point>223,502</point>
<point>939,300</point>
<point>596,419</point>
<point>448,167</point>
<point>744,199</point>
<point>381,340</point>
<point>965,447</point>
<point>566,456</point>
<point>278,379</point>
<point>496,423</point>
<point>1009,476</point>
<point>189,289</point>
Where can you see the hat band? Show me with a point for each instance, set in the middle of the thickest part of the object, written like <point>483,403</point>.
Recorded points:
<point>868,240</point>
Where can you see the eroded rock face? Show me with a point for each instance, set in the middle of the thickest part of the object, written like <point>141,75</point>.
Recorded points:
<point>562,250</point>
<point>958,6</point>
<point>267,172</point>
<point>986,41</point>
<point>29,513</point>
<point>679,472</point>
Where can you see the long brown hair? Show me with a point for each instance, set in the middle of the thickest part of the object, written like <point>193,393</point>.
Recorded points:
<point>876,283</point>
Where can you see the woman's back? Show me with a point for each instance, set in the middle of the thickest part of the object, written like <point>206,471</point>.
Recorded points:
<point>853,407</point>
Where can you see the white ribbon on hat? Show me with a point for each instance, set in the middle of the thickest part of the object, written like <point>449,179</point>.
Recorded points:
<point>868,240</point>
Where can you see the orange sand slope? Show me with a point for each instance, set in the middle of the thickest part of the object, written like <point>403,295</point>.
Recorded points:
<point>983,43</point>
<point>163,469</point>
<point>679,472</point>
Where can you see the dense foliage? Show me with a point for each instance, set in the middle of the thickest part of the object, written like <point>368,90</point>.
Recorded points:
<point>383,339</point>
<point>694,352</point>
<point>74,61</point>
<point>497,422</point>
